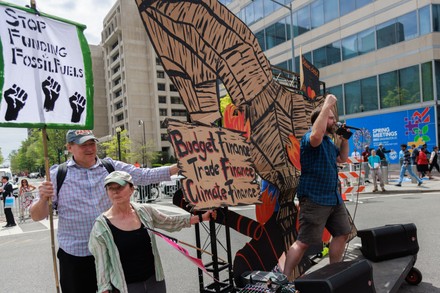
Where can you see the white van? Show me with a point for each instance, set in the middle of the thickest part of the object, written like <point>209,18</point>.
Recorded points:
<point>8,172</point>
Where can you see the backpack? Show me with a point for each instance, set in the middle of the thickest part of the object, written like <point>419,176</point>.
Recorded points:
<point>62,172</point>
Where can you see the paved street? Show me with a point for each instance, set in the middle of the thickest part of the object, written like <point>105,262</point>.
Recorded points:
<point>25,249</point>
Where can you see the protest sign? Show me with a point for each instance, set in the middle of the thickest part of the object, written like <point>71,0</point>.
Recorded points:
<point>46,77</point>
<point>216,164</point>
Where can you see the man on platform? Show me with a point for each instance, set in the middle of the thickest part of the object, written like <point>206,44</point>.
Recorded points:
<point>320,201</point>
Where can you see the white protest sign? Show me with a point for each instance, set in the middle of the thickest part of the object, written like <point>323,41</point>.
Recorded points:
<point>46,65</point>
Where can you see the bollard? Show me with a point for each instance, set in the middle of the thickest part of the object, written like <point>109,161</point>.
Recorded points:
<point>385,174</point>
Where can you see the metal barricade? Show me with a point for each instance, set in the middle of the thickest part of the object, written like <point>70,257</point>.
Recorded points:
<point>148,193</point>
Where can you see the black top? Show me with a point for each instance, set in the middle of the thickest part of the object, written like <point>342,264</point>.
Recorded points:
<point>135,251</point>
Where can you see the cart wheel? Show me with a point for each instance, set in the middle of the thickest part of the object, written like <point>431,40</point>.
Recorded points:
<point>414,277</point>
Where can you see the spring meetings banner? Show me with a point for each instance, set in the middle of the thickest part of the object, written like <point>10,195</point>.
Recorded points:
<point>45,71</point>
<point>416,126</point>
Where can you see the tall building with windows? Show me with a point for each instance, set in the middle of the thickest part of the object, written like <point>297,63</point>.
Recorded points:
<point>139,94</point>
<point>380,58</point>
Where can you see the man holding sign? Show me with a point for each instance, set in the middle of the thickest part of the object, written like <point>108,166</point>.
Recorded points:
<point>80,200</point>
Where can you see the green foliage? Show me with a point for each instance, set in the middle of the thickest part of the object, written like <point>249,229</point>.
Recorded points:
<point>111,147</point>
<point>421,133</point>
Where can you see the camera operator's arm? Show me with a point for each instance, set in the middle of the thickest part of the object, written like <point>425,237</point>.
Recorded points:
<point>319,128</point>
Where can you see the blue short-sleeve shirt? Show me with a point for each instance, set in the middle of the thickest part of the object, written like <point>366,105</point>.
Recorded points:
<point>319,172</point>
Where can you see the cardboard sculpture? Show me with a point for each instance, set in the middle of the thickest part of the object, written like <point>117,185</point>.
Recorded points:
<point>201,42</point>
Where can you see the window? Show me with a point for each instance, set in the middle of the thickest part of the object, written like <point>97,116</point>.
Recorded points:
<point>424,20</point>
<point>409,85</point>
<point>330,10</point>
<point>163,125</point>
<point>160,74</point>
<point>173,88</point>
<point>117,81</point>
<point>115,57</point>
<point>346,6</point>
<point>337,91</point>
<point>163,112</point>
<point>116,69</point>
<point>161,86</point>
<point>275,34</point>
<point>176,101</point>
<point>115,44</point>
<point>158,61</point>
<point>119,105</point>
<point>120,117</point>
<point>162,99</point>
<point>386,34</point>
<point>118,94</point>
<point>366,41</point>
<point>427,82</point>
<point>349,47</point>
<point>317,16</point>
<point>327,55</point>
<point>163,136</point>
<point>260,38</point>
<point>406,26</point>
<point>178,113</point>
<point>369,100</point>
<point>302,23</point>
<point>388,90</point>
<point>352,97</point>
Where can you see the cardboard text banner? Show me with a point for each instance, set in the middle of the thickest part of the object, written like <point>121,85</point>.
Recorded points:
<point>216,164</point>
<point>47,78</point>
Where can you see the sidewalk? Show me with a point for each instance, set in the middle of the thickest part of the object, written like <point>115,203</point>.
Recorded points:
<point>428,185</point>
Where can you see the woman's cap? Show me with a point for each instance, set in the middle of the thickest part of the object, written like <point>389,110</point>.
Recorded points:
<point>119,177</point>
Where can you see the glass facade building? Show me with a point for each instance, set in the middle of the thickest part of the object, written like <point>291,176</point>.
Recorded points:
<point>376,56</point>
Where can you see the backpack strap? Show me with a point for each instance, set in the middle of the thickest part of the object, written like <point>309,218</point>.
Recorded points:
<point>61,175</point>
<point>62,172</point>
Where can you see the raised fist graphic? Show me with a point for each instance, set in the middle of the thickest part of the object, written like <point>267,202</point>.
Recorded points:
<point>78,104</point>
<point>51,90</point>
<point>16,99</point>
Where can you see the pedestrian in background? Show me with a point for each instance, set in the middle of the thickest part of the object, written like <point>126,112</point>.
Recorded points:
<point>7,191</point>
<point>423,163</point>
<point>433,160</point>
<point>407,166</point>
<point>365,154</point>
<point>374,164</point>
<point>25,196</point>
<point>125,250</point>
<point>381,151</point>
<point>80,200</point>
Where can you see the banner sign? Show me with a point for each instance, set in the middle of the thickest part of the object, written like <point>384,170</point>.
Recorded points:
<point>416,126</point>
<point>216,164</point>
<point>45,71</point>
<point>309,79</point>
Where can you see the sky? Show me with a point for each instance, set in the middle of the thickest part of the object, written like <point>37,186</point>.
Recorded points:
<point>88,12</point>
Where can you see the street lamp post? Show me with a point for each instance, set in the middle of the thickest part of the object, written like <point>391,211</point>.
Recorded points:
<point>141,122</point>
<point>66,153</point>
<point>118,136</point>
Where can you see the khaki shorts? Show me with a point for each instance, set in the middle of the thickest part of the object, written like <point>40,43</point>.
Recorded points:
<point>314,217</point>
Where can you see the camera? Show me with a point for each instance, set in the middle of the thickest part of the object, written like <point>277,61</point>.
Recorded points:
<point>344,132</point>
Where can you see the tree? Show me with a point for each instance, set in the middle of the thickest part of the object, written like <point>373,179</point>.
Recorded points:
<point>110,148</point>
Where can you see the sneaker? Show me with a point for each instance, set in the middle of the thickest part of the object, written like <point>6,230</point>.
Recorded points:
<point>398,184</point>
<point>383,189</point>
<point>420,183</point>
<point>374,190</point>
<point>368,181</point>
